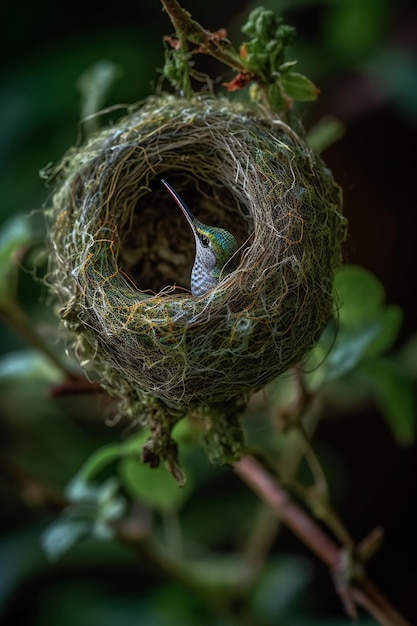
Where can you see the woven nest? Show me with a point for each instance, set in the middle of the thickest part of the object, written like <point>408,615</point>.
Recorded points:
<point>122,252</point>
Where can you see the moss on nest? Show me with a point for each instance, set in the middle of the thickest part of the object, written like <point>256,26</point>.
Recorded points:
<point>119,246</point>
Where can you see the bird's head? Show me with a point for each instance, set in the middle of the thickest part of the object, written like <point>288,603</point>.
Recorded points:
<point>214,246</point>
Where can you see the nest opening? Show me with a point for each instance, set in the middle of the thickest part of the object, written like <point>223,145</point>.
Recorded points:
<point>157,247</point>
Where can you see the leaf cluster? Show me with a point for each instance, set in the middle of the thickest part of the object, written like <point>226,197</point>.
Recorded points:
<point>353,353</point>
<point>264,54</point>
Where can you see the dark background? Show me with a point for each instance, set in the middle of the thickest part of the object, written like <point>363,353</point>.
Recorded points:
<point>362,55</point>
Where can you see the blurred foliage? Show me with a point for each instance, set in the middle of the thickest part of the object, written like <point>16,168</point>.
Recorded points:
<point>209,553</point>
<point>353,350</point>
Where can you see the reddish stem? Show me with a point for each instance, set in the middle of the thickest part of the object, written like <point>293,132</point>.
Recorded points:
<point>362,592</point>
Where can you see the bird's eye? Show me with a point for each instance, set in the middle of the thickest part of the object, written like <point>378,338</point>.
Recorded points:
<point>205,241</point>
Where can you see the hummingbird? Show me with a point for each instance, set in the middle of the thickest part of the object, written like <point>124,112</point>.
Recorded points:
<point>214,247</point>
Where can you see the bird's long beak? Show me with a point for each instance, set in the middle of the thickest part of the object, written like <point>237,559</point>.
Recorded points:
<point>184,208</point>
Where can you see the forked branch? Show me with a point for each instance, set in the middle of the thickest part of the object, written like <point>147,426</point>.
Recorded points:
<point>353,586</point>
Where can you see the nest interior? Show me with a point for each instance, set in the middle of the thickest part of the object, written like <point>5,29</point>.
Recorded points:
<point>159,250</point>
<point>121,251</point>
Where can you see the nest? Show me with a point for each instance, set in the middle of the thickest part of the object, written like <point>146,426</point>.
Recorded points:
<point>121,251</point>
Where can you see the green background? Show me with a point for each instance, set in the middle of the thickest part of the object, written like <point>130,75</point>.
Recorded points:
<point>361,54</point>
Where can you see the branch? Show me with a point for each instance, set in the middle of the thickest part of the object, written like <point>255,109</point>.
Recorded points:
<point>76,386</point>
<point>210,43</point>
<point>360,591</point>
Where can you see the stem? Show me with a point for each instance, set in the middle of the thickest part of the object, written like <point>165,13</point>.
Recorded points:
<point>370,598</point>
<point>261,537</point>
<point>318,496</point>
<point>361,592</point>
<point>207,42</point>
<point>75,386</point>
<point>314,464</point>
<point>252,473</point>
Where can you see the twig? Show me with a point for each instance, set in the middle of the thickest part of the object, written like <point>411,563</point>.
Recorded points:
<point>359,591</point>
<point>362,592</point>
<point>210,43</point>
<point>370,598</point>
<point>278,499</point>
<point>316,496</point>
<point>261,537</point>
<point>75,386</point>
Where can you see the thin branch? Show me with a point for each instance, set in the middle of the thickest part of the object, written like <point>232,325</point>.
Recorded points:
<point>316,496</point>
<point>261,536</point>
<point>358,592</point>
<point>288,512</point>
<point>210,43</point>
<point>369,597</point>
<point>75,386</point>
<point>362,592</point>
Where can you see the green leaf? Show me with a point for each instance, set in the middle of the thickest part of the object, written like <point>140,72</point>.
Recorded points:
<point>343,346</point>
<point>153,486</point>
<point>63,534</point>
<point>220,571</point>
<point>324,134</point>
<point>394,393</point>
<point>389,320</point>
<point>348,349</point>
<point>134,445</point>
<point>262,23</point>
<point>27,365</point>
<point>359,294</point>
<point>95,84</point>
<point>365,328</point>
<point>299,87</point>
<point>15,235</point>
<point>110,508</point>
<point>93,509</point>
